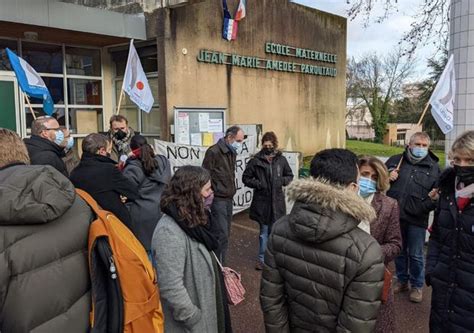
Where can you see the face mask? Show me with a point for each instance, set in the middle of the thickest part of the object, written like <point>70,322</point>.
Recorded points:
<point>366,187</point>
<point>59,137</point>
<point>465,174</point>
<point>419,152</point>
<point>70,143</point>
<point>268,151</point>
<point>120,135</point>
<point>208,201</point>
<point>236,145</point>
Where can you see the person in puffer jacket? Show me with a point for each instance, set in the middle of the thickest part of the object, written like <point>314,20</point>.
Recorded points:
<point>322,273</point>
<point>44,227</point>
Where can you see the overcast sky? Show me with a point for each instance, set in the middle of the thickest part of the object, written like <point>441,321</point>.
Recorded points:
<point>376,37</point>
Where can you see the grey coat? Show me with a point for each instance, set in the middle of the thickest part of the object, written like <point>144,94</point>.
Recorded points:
<point>186,280</point>
<point>44,276</point>
<point>145,211</point>
<point>322,273</point>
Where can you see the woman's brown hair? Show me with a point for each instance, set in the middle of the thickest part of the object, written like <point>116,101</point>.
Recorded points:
<point>270,136</point>
<point>12,148</point>
<point>383,181</point>
<point>184,191</point>
<point>146,156</point>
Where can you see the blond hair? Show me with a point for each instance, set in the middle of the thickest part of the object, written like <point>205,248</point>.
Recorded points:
<point>422,135</point>
<point>464,145</point>
<point>383,182</point>
<point>12,148</point>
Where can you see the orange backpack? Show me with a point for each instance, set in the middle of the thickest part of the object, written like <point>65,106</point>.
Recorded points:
<point>125,296</point>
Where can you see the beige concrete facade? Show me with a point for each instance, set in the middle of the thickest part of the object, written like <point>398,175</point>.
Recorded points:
<point>306,111</point>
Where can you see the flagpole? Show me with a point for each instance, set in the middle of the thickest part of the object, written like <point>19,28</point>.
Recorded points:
<point>29,105</point>
<point>423,114</point>
<point>120,102</point>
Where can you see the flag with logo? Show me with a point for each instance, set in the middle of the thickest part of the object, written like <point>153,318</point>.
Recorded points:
<point>135,83</point>
<point>229,29</point>
<point>442,99</point>
<point>240,14</point>
<point>30,81</point>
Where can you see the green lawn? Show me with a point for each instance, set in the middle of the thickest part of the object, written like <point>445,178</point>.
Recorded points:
<point>376,149</point>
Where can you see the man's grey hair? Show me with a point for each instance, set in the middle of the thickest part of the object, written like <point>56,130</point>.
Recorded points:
<point>232,131</point>
<point>39,124</point>
<point>421,135</point>
<point>93,142</point>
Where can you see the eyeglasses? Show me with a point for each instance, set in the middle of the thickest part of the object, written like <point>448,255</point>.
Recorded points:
<point>52,129</point>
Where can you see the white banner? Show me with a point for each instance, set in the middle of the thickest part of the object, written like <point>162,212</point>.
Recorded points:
<point>180,155</point>
<point>442,99</point>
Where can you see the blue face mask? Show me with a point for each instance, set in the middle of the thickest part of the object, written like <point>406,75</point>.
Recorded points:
<point>70,143</point>
<point>59,137</point>
<point>419,152</point>
<point>236,145</point>
<point>366,187</point>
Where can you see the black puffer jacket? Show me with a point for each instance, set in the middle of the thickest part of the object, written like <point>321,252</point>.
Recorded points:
<point>267,179</point>
<point>44,276</point>
<point>45,152</point>
<point>145,211</point>
<point>322,273</point>
<point>450,262</point>
<point>411,188</point>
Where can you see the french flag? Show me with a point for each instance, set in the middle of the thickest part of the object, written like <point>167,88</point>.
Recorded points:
<point>229,31</point>
<point>240,14</point>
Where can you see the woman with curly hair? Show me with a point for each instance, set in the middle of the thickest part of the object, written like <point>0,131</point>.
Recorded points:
<point>190,281</point>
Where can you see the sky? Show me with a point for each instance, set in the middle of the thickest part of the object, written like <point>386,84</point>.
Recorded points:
<point>381,38</point>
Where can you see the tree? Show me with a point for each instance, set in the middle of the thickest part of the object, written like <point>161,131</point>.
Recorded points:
<point>377,81</point>
<point>430,21</point>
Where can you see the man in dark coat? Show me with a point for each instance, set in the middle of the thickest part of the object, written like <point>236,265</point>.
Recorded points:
<point>121,135</point>
<point>99,176</point>
<point>220,161</point>
<point>450,259</point>
<point>267,172</point>
<point>44,228</point>
<point>44,145</point>
<point>413,176</point>
<point>323,273</point>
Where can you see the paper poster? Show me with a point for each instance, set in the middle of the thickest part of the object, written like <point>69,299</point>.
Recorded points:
<point>196,139</point>
<point>207,139</point>
<point>218,136</point>
<point>182,130</point>
<point>215,125</point>
<point>204,122</point>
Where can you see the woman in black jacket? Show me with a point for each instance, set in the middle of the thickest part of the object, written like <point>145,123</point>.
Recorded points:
<point>267,172</point>
<point>150,173</point>
<point>450,259</point>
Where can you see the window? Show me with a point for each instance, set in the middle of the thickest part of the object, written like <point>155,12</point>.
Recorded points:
<point>4,62</point>
<point>81,61</point>
<point>44,58</point>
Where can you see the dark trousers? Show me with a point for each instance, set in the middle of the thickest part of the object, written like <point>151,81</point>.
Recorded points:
<point>221,214</point>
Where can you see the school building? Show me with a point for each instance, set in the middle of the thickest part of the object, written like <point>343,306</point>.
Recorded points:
<point>285,69</point>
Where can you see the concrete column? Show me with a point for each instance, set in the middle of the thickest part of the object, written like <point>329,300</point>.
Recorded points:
<point>461,35</point>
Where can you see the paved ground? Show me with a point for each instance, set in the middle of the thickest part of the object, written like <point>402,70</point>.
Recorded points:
<point>247,317</point>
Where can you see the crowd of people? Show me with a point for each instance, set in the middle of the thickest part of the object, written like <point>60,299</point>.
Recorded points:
<point>325,265</point>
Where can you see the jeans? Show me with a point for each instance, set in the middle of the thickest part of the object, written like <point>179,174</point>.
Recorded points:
<point>221,213</point>
<point>262,240</point>
<point>410,263</point>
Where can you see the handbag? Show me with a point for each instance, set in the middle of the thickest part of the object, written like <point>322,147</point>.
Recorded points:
<point>233,284</point>
<point>387,284</point>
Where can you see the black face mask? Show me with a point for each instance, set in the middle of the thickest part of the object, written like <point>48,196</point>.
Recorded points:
<point>465,174</point>
<point>120,135</point>
<point>268,151</point>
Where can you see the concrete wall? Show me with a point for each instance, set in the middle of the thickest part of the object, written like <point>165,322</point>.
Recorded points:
<point>306,111</point>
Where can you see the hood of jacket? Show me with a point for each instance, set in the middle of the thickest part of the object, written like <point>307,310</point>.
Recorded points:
<point>33,194</point>
<point>323,211</point>
<point>159,175</point>
<point>38,143</point>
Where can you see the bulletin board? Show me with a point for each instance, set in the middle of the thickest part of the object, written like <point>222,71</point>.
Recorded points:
<point>198,126</point>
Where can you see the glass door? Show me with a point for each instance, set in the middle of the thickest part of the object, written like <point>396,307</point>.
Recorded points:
<point>9,108</point>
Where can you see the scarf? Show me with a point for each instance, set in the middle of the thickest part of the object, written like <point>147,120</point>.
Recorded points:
<point>123,146</point>
<point>412,158</point>
<point>204,234</point>
<point>464,194</point>
<point>364,224</point>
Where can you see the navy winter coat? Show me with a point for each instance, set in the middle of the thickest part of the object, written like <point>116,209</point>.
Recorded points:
<point>450,262</point>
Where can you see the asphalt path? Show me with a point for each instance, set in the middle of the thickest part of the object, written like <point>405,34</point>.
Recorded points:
<point>247,316</point>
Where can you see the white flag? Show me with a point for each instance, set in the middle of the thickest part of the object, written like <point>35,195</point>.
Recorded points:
<point>135,83</point>
<point>442,99</point>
